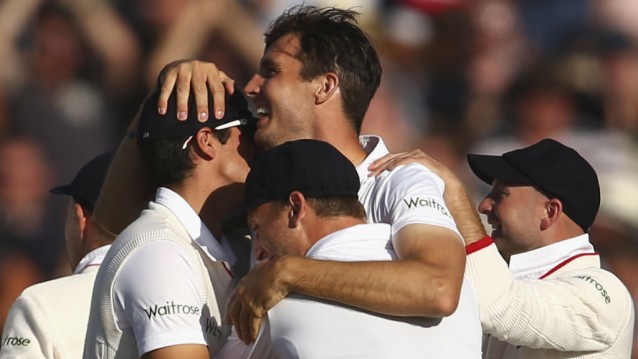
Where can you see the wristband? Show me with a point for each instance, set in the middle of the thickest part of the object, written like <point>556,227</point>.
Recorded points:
<point>478,245</point>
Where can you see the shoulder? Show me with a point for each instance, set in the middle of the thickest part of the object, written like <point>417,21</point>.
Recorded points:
<point>59,290</point>
<point>410,174</point>
<point>597,282</point>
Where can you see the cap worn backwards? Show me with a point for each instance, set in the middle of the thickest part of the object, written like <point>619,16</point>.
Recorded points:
<point>314,168</point>
<point>86,185</point>
<point>557,170</point>
<point>153,126</point>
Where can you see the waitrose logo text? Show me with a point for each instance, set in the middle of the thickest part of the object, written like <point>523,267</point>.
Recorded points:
<point>170,308</point>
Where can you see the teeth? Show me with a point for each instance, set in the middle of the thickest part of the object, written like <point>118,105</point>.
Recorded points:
<point>263,110</point>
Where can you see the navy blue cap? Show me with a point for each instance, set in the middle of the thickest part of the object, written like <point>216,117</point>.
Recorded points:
<point>314,168</point>
<point>85,187</point>
<point>557,170</point>
<point>153,126</point>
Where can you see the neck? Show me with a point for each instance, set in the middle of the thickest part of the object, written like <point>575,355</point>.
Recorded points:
<point>343,138</point>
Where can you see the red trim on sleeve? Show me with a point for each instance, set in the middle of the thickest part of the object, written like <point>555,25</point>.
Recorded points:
<point>478,245</point>
<point>564,263</point>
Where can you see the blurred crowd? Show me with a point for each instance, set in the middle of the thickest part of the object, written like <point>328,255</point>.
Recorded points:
<point>480,76</point>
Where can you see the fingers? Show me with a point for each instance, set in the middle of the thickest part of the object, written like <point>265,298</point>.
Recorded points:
<point>200,92</point>
<point>387,162</point>
<point>217,80</point>
<point>196,77</point>
<point>243,329</point>
<point>393,160</point>
<point>183,91</point>
<point>165,91</point>
<point>255,322</point>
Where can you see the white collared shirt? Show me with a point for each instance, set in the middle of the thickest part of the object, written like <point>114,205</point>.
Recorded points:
<point>157,296</point>
<point>216,250</point>
<point>304,327</point>
<point>410,194</point>
<point>536,263</point>
<point>92,260</point>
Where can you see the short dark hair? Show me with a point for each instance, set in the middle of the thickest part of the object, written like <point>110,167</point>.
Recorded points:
<point>327,207</point>
<point>331,41</point>
<point>168,162</point>
<point>330,207</point>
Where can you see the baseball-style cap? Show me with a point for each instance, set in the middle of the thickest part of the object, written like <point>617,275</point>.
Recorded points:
<point>153,126</point>
<point>314,168</point>
<point>85,187</point>
<point>557,170</point>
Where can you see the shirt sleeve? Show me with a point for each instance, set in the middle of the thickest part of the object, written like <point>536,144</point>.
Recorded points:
<point>25,333</point>
<point>412,194</point>
<point>157,297</point>
<point>578,310</point>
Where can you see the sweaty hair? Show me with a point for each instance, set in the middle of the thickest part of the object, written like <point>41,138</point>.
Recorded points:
<point>331,41</point>
<point>168,163</point>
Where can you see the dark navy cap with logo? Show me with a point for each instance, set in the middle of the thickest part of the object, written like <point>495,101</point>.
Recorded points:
<point>557,170</point>
<point>153,126</point>
<point>85,187</point>
<point>314,168</point>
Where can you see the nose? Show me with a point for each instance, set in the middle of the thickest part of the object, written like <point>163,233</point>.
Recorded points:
<point>258,251</point>
<point>254,85</point>
<point>485,206</point>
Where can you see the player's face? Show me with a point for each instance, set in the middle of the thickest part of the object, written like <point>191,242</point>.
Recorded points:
<point>238,153</point>
<point>272,235</point>
<point>284,102</point>
<point>514,212</point>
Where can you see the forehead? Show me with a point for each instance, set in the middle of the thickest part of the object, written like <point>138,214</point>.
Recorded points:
<point>516,188</point>
<point>287,47</point>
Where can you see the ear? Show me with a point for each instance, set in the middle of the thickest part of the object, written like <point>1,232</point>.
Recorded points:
<point>82,218</point>
<point>553,211</point>
<point>204,143</point>
<point>328,86</point>
<point>298,209</point>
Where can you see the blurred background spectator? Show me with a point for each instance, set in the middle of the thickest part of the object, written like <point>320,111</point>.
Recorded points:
<point>459,76</point>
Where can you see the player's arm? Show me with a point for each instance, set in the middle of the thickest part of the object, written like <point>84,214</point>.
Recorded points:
<point>425,281</point>
<point>127,187</point>
<point>457,199</point>
<point>562,314</point>
<point>194,351</point>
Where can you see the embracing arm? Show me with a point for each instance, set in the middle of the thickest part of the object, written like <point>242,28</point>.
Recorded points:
<point>127,187</point>
<point>179,351</point>
<point>425,281</point>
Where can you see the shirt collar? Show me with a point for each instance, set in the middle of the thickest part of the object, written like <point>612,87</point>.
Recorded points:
<point>92,260</point>
<point>196,229</point>
<point>375,148</point>
<point>535,263</point>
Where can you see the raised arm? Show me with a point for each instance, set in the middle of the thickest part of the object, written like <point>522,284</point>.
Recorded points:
<point>198,22</point>
<point>14,17</point>
<point>118,47</point>
<point>127,187</point>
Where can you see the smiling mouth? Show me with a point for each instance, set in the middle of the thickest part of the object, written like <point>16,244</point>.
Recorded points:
<point>263,111</point>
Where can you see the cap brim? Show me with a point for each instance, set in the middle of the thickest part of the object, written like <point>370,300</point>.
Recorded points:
<point>65,190</point>
<point>487,168</point>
